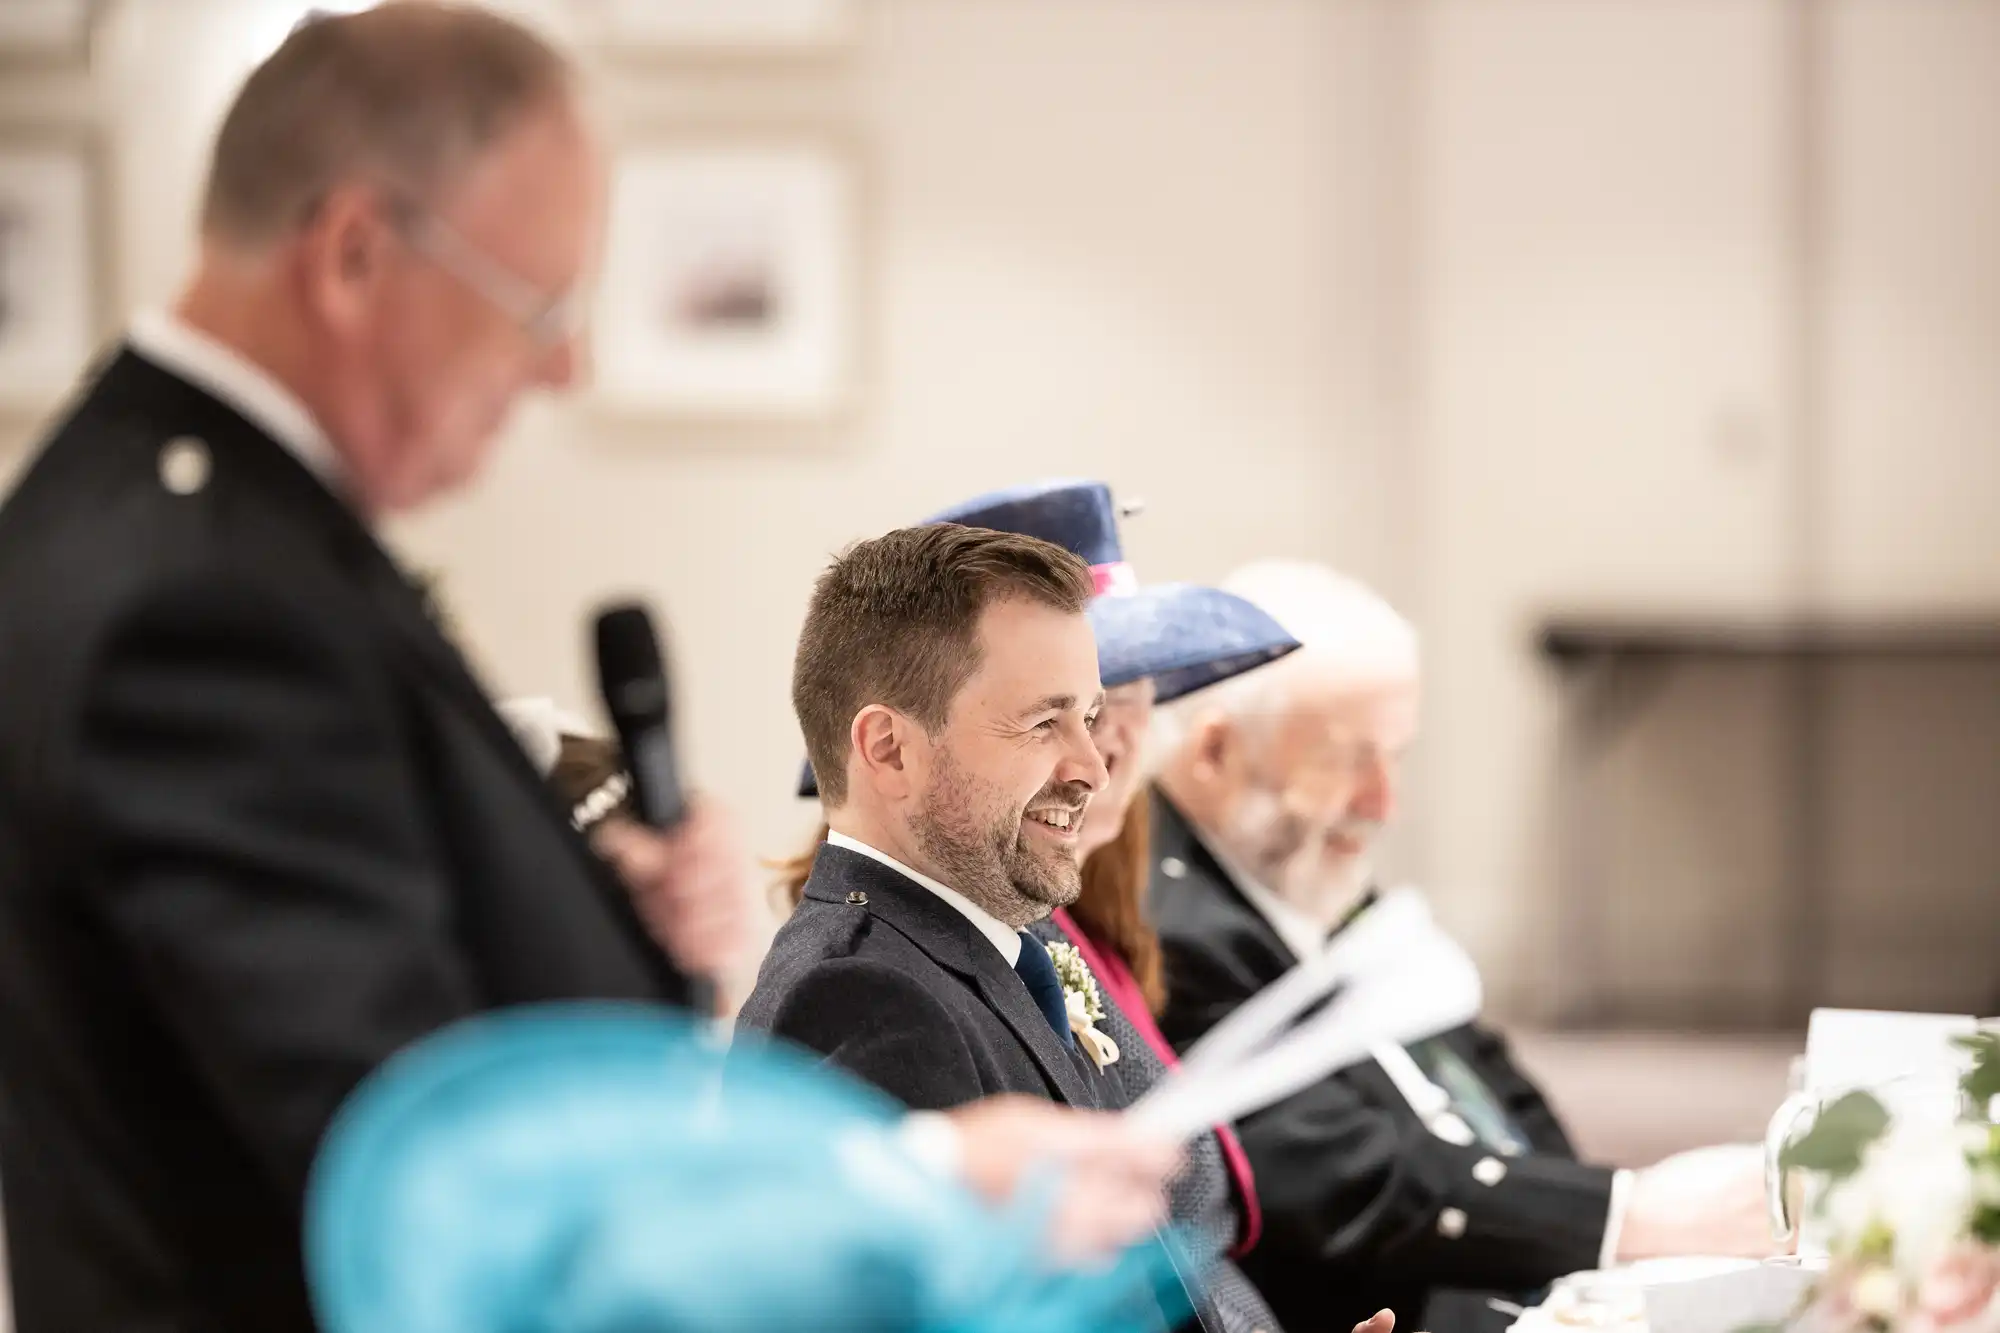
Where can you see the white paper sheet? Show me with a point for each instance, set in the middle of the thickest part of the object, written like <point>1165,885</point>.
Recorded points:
<point>1851,1048</point>
<point>1250,1059</point>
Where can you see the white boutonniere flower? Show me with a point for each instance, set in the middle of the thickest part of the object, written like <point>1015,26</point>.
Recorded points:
<point>1085,1005</point>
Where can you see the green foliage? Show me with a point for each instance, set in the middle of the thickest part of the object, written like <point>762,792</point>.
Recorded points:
<point>1981,1082</point>
<point>1876,1245</point>
<point>1834,1146</point>
<point>1986,1224</point>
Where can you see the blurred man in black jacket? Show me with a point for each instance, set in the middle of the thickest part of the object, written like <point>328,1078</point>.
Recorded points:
<point>259,825</point>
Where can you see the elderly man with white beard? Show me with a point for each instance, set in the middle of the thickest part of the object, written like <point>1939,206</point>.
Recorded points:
<point>1433,1176</point>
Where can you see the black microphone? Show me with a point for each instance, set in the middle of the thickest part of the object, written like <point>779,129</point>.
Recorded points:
<point>632,675</point>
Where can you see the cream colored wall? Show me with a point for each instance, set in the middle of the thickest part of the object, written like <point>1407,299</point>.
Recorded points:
<point>1912,333</point>
<point>1602,303</point>
<point>1668,252</point>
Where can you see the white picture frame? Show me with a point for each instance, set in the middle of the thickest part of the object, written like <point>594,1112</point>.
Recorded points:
<point>51,32</point>
<point>51,284</point>
<point>729,289</point>
<point>720,27</point>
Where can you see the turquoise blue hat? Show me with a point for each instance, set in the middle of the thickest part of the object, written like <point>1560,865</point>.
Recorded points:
<point>589,1168</point>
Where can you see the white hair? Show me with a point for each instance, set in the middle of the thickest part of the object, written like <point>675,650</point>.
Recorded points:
<point>1346,633</point>
<point>1340,620</point>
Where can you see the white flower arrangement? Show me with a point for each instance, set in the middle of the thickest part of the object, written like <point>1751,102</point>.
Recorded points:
<point>1912,1212</point>
<point>1085,1005</point>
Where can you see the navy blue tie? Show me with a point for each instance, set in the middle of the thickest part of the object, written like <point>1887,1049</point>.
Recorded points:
<point>1038,973</point>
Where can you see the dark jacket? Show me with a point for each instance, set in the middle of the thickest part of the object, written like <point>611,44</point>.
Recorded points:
<point>259,829</point>
<point>1364,1207</point>
<point>886,980</point>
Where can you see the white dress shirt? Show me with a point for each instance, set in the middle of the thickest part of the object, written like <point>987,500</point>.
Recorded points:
<point>1005,938</point>
<point>1305,937</point>
<point>175,347</point>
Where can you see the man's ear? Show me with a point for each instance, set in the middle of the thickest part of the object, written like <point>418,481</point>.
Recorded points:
<point>1213,748</point>
<point>881,741</point>
<point>344,254</point>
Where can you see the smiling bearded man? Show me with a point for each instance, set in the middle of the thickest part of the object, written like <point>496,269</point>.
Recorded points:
<point>975,833</point>
<point>946,682</point>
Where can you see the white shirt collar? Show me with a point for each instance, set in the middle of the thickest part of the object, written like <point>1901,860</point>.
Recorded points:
<point>1305,937</point>
<point>1005,938</point>
<point>174,346</point>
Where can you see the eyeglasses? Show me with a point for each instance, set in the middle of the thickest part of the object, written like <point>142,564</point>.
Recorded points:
<point>548,322</point>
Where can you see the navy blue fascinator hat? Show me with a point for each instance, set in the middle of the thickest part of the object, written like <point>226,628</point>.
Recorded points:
<point>1182,635</point>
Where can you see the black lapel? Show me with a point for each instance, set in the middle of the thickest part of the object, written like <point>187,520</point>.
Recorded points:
<point>1174,839</point>
<point>424,644</point>
<point>409,617</point>
<point>1009,998</point>
<point>281,482</point>
<point>951,941</point>
<point>285,488</point>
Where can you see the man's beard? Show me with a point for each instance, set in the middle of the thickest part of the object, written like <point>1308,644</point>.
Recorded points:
<point>1293,858</point>
<point>980,849</point>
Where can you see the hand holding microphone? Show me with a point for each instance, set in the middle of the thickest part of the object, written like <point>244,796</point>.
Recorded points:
<point>685,866</point>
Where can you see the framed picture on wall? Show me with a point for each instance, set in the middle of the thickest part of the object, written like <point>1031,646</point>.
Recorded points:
<point>719,27</point>
<point>729,283</point>
<point>45,31</point>
<point>51,310</point>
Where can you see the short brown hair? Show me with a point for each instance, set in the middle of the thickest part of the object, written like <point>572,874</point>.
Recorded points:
<point>405,95</point>
<point>895,621</point>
